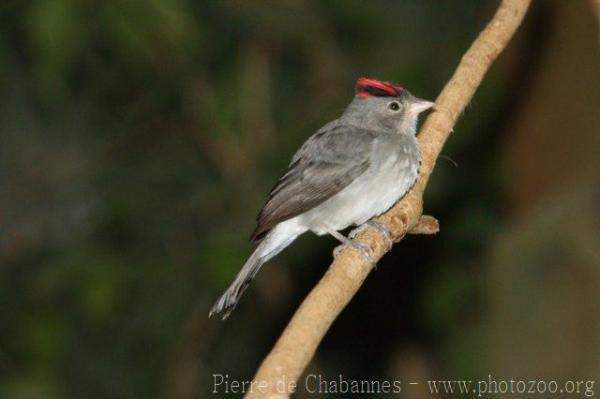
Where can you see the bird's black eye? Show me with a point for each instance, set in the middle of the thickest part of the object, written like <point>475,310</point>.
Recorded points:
<point>394,106</point>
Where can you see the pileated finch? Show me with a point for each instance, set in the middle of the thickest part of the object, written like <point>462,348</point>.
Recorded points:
<point>351,170</point>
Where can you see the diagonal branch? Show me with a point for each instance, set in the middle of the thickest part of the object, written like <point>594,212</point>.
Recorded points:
<point>281,369</point>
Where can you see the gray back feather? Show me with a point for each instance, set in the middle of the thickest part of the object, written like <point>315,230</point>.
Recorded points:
<point>328,162</point>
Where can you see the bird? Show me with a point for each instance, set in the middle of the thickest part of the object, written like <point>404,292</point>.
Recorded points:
<point>348,172</point>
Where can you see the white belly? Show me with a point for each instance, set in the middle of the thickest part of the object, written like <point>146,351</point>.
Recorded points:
<point>374,192</point>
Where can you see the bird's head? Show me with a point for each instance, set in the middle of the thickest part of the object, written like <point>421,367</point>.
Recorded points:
<point>383,105</point>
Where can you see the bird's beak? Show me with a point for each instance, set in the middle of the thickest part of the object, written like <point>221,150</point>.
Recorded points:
<point>417,106</point>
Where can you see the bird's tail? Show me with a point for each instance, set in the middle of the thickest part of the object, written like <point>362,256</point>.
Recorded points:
<point>230,298</point>
<point>271,245</point>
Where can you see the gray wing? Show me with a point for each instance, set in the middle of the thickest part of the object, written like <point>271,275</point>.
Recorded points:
<point>329,161</point>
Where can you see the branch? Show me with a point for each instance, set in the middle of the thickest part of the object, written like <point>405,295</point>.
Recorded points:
<point>596,8</point>
<point>295,348</point>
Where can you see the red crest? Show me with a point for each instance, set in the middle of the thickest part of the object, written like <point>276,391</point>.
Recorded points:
<point>366,87</point>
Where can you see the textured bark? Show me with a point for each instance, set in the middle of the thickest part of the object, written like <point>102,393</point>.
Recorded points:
<point>295,348</point>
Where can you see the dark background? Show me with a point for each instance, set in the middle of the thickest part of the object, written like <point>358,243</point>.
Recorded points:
<point>138,140</point>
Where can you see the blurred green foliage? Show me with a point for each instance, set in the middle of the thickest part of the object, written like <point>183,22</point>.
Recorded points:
<point>138,142</point>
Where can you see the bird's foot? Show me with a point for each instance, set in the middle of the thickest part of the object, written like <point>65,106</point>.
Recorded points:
<point>358,247</point>
<point>377,226</point>
<point>346,242</point>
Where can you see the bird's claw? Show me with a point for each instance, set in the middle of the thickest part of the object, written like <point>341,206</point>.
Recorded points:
<point>377,226</point>
<point>358,247</point>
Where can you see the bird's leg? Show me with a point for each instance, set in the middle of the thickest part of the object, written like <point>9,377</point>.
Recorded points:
<point>374,225</point>
<point>361,248</point>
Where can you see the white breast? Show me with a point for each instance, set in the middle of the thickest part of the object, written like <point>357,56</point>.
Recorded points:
<point>371,194</point>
